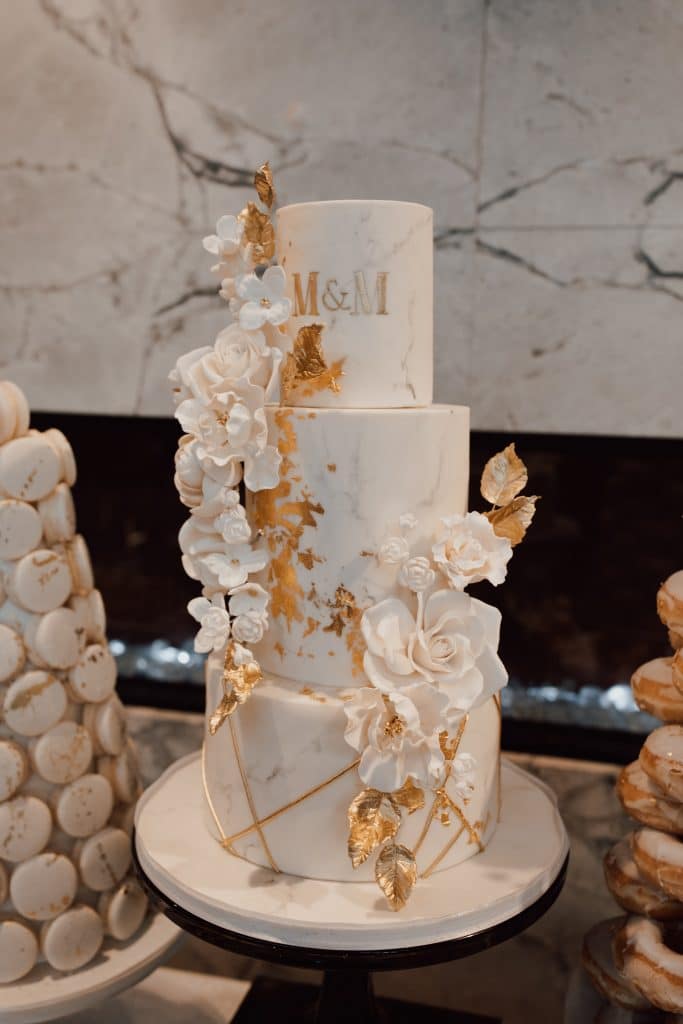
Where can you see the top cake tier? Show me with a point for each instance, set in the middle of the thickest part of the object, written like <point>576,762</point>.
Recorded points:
<point>363,269</point>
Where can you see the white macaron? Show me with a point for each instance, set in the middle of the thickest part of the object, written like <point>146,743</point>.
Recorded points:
<point>123,910</point>
<point>83,807</point>
<point>30,468</point>
<point>78,557</point>
<point>14,768</point>
<point>12,653</point>
<point>56,638</point>
<point>107,725</point>
<point>93,677</point>
<point>25,828</point>
<point>72,939</point>
<point>20,528</point>
<point>91,614</point>
<point>58,515</point>
<point>43,886</point>
<point>122,772</point>
<point>40,581</point>
<point>104,858</point>
<point>18,951</point>
<point>34,703</point>
<point>63,753</point>
<point>65,452</point>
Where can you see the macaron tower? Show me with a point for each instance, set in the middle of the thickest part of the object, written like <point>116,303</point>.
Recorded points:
<point>68,778</point>
<point>636,961</point>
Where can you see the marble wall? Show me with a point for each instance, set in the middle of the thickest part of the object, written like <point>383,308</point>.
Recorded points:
<point>546,135</point>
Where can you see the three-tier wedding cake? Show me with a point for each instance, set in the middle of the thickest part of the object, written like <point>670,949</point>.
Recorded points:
<point>353,710</point>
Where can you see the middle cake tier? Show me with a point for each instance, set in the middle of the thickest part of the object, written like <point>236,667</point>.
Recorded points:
<point>355,484</point>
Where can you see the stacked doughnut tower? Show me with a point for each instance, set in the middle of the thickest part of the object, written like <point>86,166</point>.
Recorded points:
<point>68,779</point>
<point>636,961</point>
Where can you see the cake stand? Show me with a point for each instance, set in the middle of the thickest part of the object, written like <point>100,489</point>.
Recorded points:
<point>342,928</point>
<point>45,994</point>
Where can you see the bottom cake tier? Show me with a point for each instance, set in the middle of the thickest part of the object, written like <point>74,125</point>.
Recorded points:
<point>279,777</point>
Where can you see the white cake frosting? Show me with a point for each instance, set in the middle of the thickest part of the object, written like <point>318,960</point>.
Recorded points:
<point>350,475</point>
<point>363,268</point>
<point>353,709</point>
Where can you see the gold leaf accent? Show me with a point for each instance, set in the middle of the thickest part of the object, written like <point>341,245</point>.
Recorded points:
<point>513,520</point>
<point>241,680</point>
<point>258,232</point>
<point>373,818</point>
<point>409,796</point>
<point>396,874</point>
<point>305,368</point>
<point>346,620</point>
<point>504,477</point>
<point>263,183</point>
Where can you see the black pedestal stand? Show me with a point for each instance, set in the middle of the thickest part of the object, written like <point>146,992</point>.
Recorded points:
<point>346,996</point>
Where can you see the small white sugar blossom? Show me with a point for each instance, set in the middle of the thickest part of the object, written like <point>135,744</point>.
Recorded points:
<point>214,623</point>
<point>207,559</point>
<point>263,299</point>
<point>469,550</point>
<point>228,237</point>
<point>393,551</point>
<point>249,604</point>
<point>248,629</point>
<point>417,574</point>
<point>397,735</point>
<point>407,521</point>
<point>463,768</point>
<point>232,522</point>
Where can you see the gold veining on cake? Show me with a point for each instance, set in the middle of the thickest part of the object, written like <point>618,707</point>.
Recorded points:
<point>282,520</point>
<point>311,626</point>
<point>305,369</point>
<point>308,558</point>
<point>332,467</point>
<point>345,621</point>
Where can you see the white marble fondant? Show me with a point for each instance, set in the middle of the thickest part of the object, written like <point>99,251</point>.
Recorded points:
<point>290,738</point>
<point>181,858</point>
<point>357,471</point>
<point>363,268</point>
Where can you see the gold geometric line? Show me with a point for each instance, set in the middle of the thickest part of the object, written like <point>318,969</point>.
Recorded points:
<point>207,795</point>
<point>294,803</point>
<point>437,799</point>
<point>440,856</point>
<point>250,799</point>
<point>473,834</point>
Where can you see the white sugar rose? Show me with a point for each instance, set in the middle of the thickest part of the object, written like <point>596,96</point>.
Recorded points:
<point>451,643</point>
<point>242,354</point>
<point>248,629</point>
<point>214,623</point>
<point>232,523</point>
<point>393,551</point>
<point>397,735</point>
<point>416,574</point>
<point>262,299</point>
<point>469,550</point>
<point>183,376</point>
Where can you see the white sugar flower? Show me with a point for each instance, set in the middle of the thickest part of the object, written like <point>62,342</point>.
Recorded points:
<point>214,623</point>
<point>393,551</point>
<point>469,550</point>
<point>216,497</point>
<point>463,768</point>
<point>232,522</point>
<point>188,472</point>
<point>249,599</point>
<point>416,574</point>
<point>228,238</point>
<point>451,643</point>
<point>248,629</point>
<point>397,735</point>
<point>180,376</point>
<point>235,355</point>
<point>263,298</point>
<point>232,568</point>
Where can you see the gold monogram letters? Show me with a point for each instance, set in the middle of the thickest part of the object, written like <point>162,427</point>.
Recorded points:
<point>336,300</point>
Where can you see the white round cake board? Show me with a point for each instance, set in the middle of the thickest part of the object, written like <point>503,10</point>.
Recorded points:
<point>183,860</point>
<point>45,994</point>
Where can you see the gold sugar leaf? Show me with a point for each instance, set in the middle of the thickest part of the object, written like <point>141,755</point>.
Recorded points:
<point>409,796</point>
<point>396,874</point>
<point>513,520</point>
<point>226,707</point>
<point>305,368</point>
<point>238,683</point>
<point>504,477</point>
<point>258,232</point>
<point>373,818</point>
<point>263,183</point>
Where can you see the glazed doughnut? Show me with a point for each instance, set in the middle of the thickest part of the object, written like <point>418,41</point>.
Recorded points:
<point>670,606</point>
<point>655,691</point>
<point>659,858</point>
<point>661,757</point>
<point>632,890</point>
<point>677,670</point>
<point>645,959</point>
<point>597,959</point>
<point>646,802</point>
